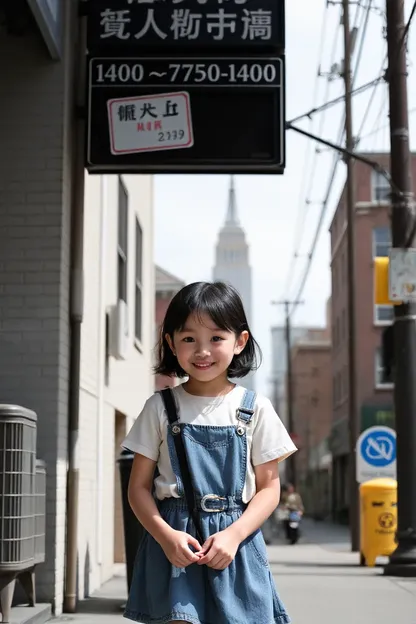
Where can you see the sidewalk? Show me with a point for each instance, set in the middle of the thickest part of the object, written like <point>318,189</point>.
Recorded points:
<point>319,580</point>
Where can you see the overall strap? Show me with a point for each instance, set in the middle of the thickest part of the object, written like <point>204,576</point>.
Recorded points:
<point>170,406</point>
<point>246,410</point>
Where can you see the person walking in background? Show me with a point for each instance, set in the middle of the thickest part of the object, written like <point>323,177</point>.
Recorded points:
<point>294,508</point>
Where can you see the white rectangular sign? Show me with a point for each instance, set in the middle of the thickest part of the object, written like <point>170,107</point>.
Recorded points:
<point>402,274</point>
<point>150,123</point>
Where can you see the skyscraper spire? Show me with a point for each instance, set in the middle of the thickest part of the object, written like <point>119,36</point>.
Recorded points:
<point>232,216</point>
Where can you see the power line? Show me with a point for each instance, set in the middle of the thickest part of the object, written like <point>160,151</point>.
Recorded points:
<point>337,100</point>
<point>336,159</point>
<point>306,164</point>
<point>407,27</point>
<point>301,222</point>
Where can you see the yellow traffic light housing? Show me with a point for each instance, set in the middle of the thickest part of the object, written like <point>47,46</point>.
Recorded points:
<point>381,282</point>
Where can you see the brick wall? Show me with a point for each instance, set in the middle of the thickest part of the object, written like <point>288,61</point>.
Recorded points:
<point>312,401</point>
<point>35,183</point>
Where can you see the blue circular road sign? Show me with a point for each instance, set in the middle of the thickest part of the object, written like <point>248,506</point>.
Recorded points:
<point>378,447</point>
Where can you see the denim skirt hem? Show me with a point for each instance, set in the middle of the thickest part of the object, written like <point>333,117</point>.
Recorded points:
<point>181,617</point>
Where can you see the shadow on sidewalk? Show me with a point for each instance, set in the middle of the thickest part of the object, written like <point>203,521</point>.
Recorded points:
<point>100,605</point>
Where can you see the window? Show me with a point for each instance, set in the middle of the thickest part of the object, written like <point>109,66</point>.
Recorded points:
<point>379,382</point>
<point>123,217</point>
<point>380,187</point>
<point>381,241</point>
<point>383,314</point>
<point>139,281</point>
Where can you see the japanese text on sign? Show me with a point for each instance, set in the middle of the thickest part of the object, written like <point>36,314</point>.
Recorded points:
<point>150,123</point>
<point>186,24</point>
<point>201,22</point>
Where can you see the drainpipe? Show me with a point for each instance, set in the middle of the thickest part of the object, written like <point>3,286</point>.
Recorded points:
<point>101,360</point>
<point>76,308</point>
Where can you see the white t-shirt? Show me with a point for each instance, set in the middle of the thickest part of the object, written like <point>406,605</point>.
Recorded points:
<point>267,438</point>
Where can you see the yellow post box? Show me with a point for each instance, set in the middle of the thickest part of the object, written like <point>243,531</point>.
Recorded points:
<point>378,520</point>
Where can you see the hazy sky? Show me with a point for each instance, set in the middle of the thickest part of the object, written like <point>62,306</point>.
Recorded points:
<point>191,209</point>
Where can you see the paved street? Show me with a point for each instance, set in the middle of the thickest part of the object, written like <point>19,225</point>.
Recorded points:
<point>319,580</point>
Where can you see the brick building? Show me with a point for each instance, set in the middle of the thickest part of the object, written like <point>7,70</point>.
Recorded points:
<point>374,398</point>
<point>166,285</point>
<point>312,417</point>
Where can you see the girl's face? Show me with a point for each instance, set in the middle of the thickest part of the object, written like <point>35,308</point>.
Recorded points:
<point>203,350</point>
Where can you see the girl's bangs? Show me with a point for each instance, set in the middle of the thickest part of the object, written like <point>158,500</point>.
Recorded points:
<point>214,308</point>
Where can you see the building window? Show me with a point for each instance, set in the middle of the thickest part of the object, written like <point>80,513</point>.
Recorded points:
<point>122,248</point>
<point>379,371</point>
<point>139,281</point>
<point>381,241</point>
<point>383,314</point>
<point>380,188</point>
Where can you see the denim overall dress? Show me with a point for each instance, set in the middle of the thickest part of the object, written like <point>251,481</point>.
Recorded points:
<point>243,593</point>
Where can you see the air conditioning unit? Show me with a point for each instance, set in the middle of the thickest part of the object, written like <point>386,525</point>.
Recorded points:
<point>120,331</point>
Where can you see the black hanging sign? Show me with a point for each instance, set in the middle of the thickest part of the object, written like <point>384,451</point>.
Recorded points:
<point>176,114</point>
<point>126,27</point>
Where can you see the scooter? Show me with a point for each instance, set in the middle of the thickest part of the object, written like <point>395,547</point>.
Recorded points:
<point>294,522</point>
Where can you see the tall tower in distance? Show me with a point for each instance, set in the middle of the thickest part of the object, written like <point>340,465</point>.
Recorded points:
<point>232,263</point>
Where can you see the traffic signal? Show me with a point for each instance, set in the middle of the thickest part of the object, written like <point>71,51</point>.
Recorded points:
<point>387,354</point>
<point>381,282</point>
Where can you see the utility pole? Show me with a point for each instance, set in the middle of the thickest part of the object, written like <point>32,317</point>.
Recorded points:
<point>350,206</point>
<point>403,561</point>
<point>290,420</point>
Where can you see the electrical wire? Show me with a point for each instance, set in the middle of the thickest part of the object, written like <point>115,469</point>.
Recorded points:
<point>319,109</point>
<point>336,159</point>
<point>302,194</point>
<point>304,200</point>
<point>408,24</point>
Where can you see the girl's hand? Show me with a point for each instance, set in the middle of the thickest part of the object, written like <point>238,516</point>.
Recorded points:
<point>219,550</point>
<point>176,548</point>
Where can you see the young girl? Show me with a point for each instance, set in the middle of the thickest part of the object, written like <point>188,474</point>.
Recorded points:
<point>233,442</point>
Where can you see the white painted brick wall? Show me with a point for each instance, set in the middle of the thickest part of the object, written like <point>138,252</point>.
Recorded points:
<point>34,267</point>
<point>130,381</point>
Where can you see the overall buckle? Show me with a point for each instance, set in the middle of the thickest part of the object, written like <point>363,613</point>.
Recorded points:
<point>208,497</point>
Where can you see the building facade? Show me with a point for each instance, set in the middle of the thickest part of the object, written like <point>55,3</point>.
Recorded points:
<point>232,262</point>
<point>46,294</point>
<point>374,397</point>
<point>312,419</point>
<point>279,365</point>
<point>116,357</point>
<point>167,285</point>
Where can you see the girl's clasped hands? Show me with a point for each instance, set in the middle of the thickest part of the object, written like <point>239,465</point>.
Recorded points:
<point>217,552</point>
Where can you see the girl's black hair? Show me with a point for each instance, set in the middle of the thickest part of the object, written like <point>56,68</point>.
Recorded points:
<point>222,303</point>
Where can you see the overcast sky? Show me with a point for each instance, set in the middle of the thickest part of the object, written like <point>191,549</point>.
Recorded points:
<point>191,209</point>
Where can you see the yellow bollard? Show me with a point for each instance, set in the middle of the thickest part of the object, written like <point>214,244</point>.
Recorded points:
<point>378,520</point>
